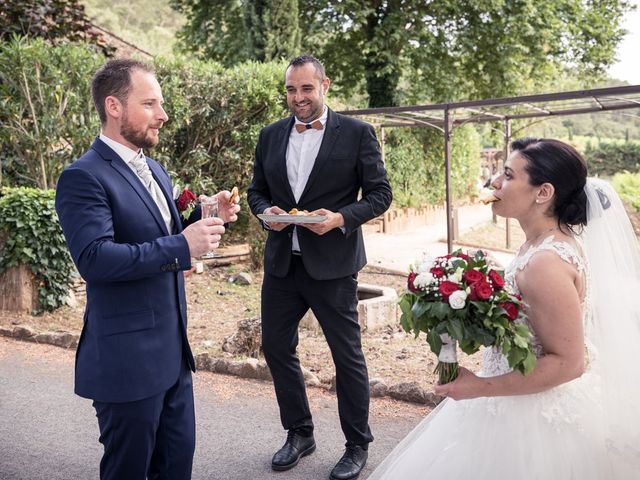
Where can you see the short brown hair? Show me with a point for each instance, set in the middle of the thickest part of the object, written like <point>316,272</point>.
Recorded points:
<point>114,80</point>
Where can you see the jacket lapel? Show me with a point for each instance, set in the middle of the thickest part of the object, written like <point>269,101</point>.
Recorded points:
<point>281,157</point>
<point>123,169</point>
<point>331,134</point>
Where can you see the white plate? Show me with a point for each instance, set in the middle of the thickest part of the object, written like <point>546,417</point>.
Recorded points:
<point>285,218</point>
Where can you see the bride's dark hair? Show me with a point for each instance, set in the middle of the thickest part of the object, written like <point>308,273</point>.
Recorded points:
<point>555,162</point>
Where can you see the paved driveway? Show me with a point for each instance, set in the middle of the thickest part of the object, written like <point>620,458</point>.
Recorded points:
<point>46,432</point>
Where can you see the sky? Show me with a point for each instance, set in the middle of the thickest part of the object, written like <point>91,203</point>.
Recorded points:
<point>628,67</point>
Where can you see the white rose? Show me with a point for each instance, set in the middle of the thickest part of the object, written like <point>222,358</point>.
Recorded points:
<point>423,280</point>
<point>458,299</point>
<point>425,265</point>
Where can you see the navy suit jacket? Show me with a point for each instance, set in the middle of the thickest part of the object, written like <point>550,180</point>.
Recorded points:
<point>134,337</point>
<point>348,176</point>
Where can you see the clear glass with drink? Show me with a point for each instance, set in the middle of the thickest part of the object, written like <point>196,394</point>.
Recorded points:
<point>209,209</point>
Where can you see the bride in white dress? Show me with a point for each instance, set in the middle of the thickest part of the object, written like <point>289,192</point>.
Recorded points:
<point>577,415</point>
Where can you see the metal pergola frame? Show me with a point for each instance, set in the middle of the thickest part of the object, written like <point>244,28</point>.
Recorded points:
<point>447,116</point>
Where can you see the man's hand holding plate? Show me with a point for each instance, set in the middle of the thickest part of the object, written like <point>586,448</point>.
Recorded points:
<point>334,220</point>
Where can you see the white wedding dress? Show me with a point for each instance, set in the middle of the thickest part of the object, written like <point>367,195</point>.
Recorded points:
<point>559,434</point>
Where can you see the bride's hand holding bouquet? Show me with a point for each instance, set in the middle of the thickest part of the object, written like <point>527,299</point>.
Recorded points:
<point>459,299</point>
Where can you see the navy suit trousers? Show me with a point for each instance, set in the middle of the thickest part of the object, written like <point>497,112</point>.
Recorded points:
<point>152,438</point>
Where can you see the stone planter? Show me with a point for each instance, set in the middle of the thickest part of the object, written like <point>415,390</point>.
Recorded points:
<point>377,307</point>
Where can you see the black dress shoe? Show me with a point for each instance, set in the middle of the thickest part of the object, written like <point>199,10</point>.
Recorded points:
<point>296,447</point>
<point>351,463</point>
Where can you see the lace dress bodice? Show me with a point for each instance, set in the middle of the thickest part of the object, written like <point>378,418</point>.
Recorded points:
<point>494,362</point>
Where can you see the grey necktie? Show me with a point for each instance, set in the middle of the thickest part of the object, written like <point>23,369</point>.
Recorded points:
<point>139,164</point>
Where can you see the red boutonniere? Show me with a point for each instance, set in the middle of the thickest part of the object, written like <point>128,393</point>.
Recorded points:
<point>186,202</point>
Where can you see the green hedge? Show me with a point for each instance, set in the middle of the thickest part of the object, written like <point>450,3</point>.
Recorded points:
<point>31,235</point>
<point>610,158</point>
<point>215,117</point>
<point>46,112</point>
<point>415,162</point>
<point>627,185</point>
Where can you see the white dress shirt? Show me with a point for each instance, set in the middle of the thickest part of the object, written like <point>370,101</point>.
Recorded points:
<point>302,151</point>
<point>127,155</point>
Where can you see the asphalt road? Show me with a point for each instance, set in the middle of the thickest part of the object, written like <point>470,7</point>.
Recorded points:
<point>47,432</point>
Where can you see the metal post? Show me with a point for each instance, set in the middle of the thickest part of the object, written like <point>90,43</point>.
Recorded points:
<point>447,177</point>
<point>507,141</point>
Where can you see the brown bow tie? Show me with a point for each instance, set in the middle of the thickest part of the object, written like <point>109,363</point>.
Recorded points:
<point>303,127</point>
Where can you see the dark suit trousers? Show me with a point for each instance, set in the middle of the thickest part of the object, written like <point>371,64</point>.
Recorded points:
<point>152,438</point>
<point>334,303</point>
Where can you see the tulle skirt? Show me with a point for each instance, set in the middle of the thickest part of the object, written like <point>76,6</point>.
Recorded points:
<point>554,435</point>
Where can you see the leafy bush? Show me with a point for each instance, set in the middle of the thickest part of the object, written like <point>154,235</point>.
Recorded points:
<point>31,235</point>
<point>415,162</point>
<point>215,117</point>
<point>46,113</point>
<point>627,185</point>
<point>608,158</point>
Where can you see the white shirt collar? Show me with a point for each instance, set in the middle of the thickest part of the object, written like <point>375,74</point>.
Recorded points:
<point>123,151</point>
<point>323,118</point>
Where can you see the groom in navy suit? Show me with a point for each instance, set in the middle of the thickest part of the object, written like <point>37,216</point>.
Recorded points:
<point>127,240</point>
<point>330,164</point>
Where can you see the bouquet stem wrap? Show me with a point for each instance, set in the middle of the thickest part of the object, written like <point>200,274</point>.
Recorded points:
<point>447,368</point>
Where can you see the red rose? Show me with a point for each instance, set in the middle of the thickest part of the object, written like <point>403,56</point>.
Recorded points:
<point>186,200</point>
<point>472,276</point>
<point>464,256</point>
<point>447,288</point>
<point>437,272</point>
<point>512,310</point>
<point>496,279</point>
<point>481,290</point>
<point>412,276</point>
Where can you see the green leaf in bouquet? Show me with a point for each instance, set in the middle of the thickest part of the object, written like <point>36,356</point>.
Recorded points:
<point>419,308</point>
<point>434,341</point>
<point>469,346</point>
<point>529,363</point>
<point>506,346</point>
<point>405,321</point>
<point>423,324</point>
<point>455,328</point>
<point>440,310</point>
<point>482,336</point>
<point>482,307</point>
<point>520,341</point>
<point>523,330</point>
<point>515,356</point>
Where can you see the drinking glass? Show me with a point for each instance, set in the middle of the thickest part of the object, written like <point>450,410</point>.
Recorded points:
<point>209,208</point>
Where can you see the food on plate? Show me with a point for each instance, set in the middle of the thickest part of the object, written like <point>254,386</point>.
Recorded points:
<point>234,195</point>
<point>295,211</point>
<point>487,196</point>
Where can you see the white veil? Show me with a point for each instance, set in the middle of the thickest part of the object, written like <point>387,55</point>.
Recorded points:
<point>613,327</point>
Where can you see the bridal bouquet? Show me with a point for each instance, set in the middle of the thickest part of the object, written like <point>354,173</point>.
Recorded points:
<point>459,298</point>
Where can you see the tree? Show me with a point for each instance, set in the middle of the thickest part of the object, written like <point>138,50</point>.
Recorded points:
<point>234,31</point>
<point>57,21</point>
<point>405,51</point>
<point>452,50</point>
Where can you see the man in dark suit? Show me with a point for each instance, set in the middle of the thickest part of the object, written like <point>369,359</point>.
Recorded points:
<point>320,161</point>
<point>127,240</point>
